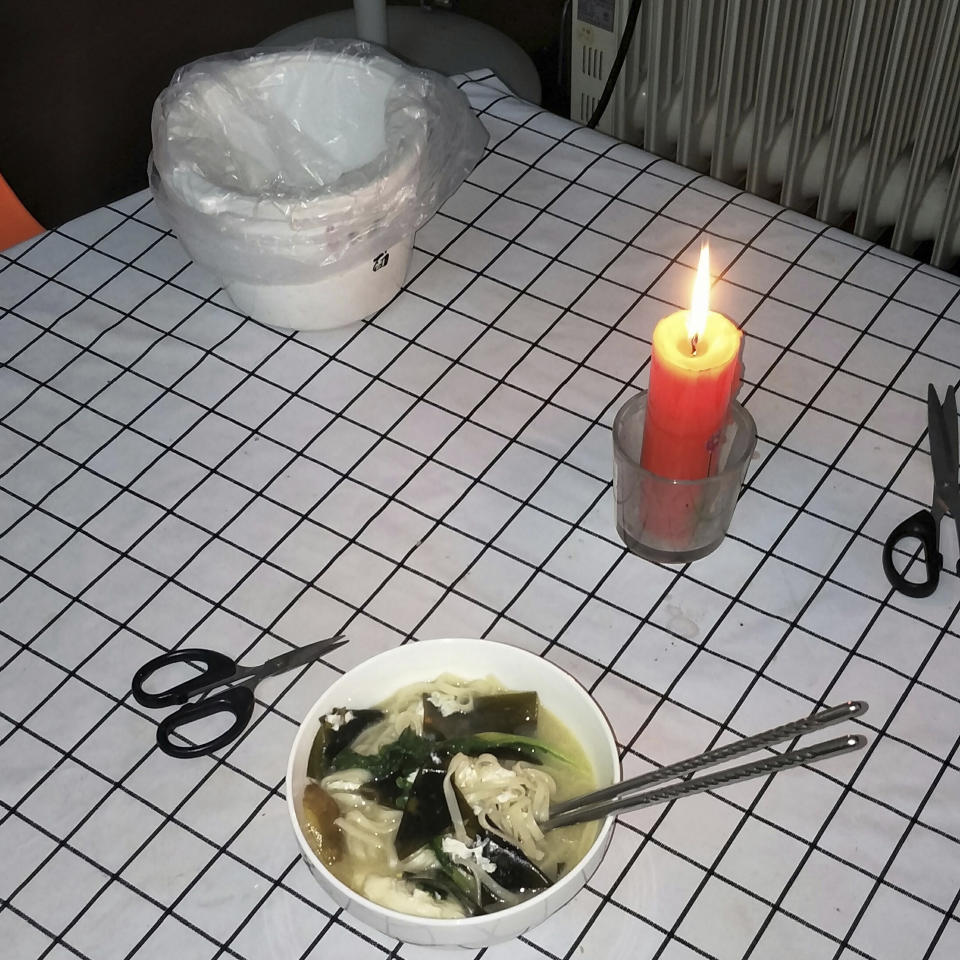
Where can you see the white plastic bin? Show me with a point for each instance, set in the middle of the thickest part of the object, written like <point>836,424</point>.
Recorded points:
<point>299,177</point>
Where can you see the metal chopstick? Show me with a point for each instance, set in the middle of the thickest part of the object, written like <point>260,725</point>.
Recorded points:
<point>746,771</point>
<point>786,731</point>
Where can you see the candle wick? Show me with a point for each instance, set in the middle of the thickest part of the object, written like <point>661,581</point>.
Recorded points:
<point>693,344</point>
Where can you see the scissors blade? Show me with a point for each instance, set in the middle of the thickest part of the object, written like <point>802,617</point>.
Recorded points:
<point>297,658</point>
<point>950,422</point>
<point>942,423</point>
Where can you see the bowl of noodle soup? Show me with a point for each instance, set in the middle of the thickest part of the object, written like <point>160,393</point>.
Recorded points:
<point>363,880</point>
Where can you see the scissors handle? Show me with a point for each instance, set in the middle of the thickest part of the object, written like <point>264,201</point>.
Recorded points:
<point>923,527</point>
<point>237,701</point>
<point>218,669</point>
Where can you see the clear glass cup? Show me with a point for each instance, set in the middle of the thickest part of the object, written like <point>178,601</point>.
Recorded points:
<point>676,521</point>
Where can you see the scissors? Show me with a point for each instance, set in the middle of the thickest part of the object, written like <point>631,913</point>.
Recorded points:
<point>219,671</point>
<point>925,525</point>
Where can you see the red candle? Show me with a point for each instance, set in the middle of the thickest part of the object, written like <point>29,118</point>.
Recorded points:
<point>694,374</point>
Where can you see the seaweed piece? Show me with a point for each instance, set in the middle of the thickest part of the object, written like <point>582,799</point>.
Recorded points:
<point>515,713</point>
<point>514,870</point>
<point>338,729</point>
<point>320,812</point>
<point>388,791</point>
<point>509,713</point>
<point>426,814</point>
<point>436,724</point>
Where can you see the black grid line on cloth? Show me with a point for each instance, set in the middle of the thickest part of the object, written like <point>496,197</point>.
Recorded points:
<point>725,847</point>
<point>834,414</point>
<point>576,467</point>
<point>198,787</point>
<point>712,742</point>
<point>733,835</point>
<point>361,608</point>
<point>787,686</point>
<point>771,296</point>
<point>783,214</point>
<point>265,798</point>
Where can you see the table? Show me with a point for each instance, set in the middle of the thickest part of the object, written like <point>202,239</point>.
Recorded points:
<point>172,474</point>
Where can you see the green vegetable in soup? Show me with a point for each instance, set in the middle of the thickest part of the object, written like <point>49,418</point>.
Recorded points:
<point>410,752</point>
<point>505,746</point>
<point>400,758</point>
<point>464,883</point>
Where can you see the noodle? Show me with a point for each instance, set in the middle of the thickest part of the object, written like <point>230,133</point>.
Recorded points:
<point>456,818</point>
<point>507,802</point>
<point>405,708</point>
<point>370,833</point>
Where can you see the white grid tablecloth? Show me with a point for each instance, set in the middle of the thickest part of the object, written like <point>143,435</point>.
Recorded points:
<point>173,474</point>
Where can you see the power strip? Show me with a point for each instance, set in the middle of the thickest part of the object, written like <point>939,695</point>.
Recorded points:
<point>595,35</point>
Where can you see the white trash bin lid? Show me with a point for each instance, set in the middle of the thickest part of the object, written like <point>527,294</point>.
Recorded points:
<point>275,166</point>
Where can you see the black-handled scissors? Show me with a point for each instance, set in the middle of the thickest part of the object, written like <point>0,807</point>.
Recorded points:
<point>219,671</point>
<point>925,525</point>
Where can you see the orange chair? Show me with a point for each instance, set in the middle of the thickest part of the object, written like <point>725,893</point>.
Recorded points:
<point>16,224</point>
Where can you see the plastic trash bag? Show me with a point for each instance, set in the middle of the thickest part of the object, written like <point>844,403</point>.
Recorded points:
<point>279,166</point>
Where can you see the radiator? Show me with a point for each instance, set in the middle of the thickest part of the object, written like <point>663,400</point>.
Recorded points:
<point>848,110</point>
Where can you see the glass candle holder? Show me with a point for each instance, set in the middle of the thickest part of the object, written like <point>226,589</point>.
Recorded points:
<point>676,521</point>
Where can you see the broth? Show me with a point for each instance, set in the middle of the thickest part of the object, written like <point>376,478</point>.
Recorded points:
<point>368,860</point>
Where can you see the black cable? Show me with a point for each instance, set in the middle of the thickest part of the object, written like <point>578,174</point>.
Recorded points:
<point>614,74</point>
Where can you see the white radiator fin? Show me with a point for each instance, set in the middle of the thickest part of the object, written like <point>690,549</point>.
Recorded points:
<point>822,59</point>
<point>777,91</point>
<point>857,105</point>
<point>849,109</point>
<point>937,137</point>
<point>914,36</point>
<point>665,74</point>
<point>698,110</point>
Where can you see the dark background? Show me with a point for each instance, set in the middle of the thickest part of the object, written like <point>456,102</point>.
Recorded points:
<point>78,81</point>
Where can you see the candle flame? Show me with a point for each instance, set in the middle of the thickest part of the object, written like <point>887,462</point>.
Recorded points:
<point>697,317</point>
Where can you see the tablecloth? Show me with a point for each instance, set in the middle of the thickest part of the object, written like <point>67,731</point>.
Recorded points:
<point>174,474</point>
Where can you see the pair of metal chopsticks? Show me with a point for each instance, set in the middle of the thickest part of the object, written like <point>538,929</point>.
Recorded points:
<point>623,796</point>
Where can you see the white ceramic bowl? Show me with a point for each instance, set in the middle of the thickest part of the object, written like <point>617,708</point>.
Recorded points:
<point>377,678</point>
